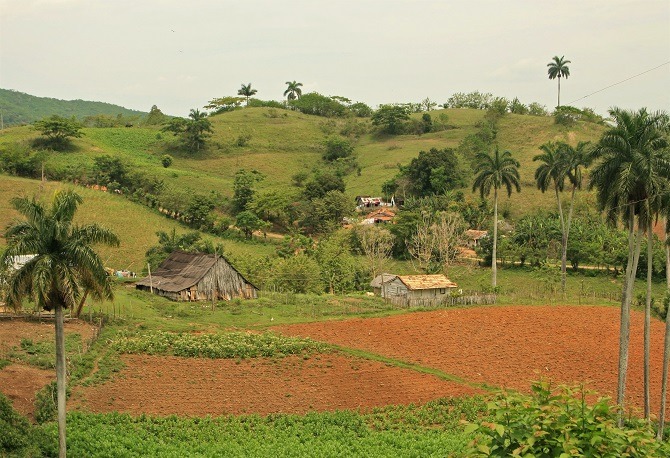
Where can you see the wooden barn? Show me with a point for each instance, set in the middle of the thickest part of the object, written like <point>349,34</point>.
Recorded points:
<point>197,277</point>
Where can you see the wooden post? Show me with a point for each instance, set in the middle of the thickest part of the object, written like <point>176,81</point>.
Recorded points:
<point>151,283</point>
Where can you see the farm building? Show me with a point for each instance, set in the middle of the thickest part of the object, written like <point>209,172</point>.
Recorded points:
<point>197,277</point>
<point>418,289</point>
<point>379,280</point>
<point>474,237</point>
<point>381,216</point>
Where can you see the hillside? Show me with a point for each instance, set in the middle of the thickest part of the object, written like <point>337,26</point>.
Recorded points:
<point>135,225</point>
<point>20,108</point>
<point>282,143</point>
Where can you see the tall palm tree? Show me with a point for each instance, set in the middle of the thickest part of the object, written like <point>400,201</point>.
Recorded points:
<point>293,90</point>
<point>629,179</point>
<point>495,171</point>
<point>666,346</point>
<point>246,91</point>
<point>558,67</point>
<point>561,161</point>
<point>64,268</point>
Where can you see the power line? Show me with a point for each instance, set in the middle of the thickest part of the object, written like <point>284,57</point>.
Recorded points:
<point>622,81</point>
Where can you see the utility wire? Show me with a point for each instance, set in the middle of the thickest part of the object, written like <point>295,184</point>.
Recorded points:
<point>622,81</point>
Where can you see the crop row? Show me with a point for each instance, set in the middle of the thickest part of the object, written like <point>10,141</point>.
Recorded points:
<point>428,430</point>
<point>228,345</point>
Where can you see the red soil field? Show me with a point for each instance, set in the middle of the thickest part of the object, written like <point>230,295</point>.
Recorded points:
<point>163,385</point>
<point>20,382</point>
<point>508,346</point>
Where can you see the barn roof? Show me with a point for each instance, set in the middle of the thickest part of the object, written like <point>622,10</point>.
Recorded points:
<point>377,281</point>
<point>474,234</point>
<point>418,282</point>
<point>181,270</point>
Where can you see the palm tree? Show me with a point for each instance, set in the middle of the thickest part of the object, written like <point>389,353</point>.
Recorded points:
<point>666,346</point>
<point>629,180</point>
<point>495,171</point>
<point>561,161</point>
<point>558,67</point>
<point>64,268</point>
<point>246,91</point>
<point>293,90</point>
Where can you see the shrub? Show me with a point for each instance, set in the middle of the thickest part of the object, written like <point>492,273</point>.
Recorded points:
<point>337,148</point>
<point>559,424</point>
<point>14,429</point>
<point>166,160</point>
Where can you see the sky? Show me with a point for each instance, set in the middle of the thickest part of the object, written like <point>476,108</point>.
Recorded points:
<point>178,55</point>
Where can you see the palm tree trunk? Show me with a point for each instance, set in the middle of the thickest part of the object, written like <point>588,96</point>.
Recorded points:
<point>664,383</point>
<point>61,381</point>
<point>559,90</point>
<point>564,255</point>
<point>81,304</point>
<point>647,318</point>
<point>494,262</point>
<point>564,239</point>
<point>626,298</point>
<point>666,348</point>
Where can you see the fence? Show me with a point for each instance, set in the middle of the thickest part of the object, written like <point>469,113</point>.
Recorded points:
<point>445,301</point>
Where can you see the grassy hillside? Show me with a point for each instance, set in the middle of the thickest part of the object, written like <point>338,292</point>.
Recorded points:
<point>19,108</point>
<point>135,224</point>
<point>283,143</point>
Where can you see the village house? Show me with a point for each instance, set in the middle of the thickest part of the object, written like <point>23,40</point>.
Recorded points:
<point>197,277</point>
<point>473,237</point>
<point>379,280</point>
<point>380,216</point>
<point>368,202</point>
<point>419,290</point>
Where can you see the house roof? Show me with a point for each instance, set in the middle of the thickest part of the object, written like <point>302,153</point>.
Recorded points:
<point>474,234</point>
<point>181,270</point>
<point>418,282</point>
<point>377,281</point>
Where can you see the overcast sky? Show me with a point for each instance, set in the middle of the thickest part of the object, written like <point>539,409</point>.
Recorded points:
<point>178,54</point>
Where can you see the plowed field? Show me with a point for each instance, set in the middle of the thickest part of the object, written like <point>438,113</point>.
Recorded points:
<point>507,346</point>
<point>165,385</point>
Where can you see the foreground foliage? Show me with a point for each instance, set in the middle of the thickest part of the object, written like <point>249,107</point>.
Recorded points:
<point>560,425</point>
<point>430,430</point>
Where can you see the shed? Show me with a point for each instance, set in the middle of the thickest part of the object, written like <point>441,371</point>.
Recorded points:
<point>474,236</point>
<point>197,277</point>
<point>379,280</point>
<point>419,289</point>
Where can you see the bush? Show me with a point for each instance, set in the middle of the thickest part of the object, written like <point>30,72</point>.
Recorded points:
<point>337,148</point>
<point>316,104</point>
<point>14,429</point>
<point>45,404</point>
<point>559,424</point>
<point>166,160</point>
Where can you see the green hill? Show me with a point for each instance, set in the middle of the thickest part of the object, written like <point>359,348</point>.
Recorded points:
<point>282,143</point>
<point>19,108</point>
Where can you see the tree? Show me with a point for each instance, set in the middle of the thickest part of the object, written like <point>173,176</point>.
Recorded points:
<point>559,161</point>
<point>248,222</point>
<point>338,266</point>
<point>293,90</point>
<point>495,171</point>
<point>434,172</point>
<point>193,131</point>
<point>629,180</point>
<point>449,234</point>
<point>337,148</point>
<point>155,116</point>
<point>558,68</point>
<point>316,104</point>
<point>223,104</point>
<point>390,118</point>
<point>247,92</point>
<point>58,130</point>
<point>243,188</point>
<point>65,267</point>
<point>376,243</point>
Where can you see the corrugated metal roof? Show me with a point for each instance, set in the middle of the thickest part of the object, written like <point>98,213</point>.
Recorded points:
<point>416,282</point>
<point>180,271</point>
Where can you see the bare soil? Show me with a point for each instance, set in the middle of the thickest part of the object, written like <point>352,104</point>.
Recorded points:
<point>163,385</point>
<point>509,346</point>
<point>20,382</point>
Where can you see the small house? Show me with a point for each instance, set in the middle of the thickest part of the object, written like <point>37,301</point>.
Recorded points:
<point>473,237</point>
<point>380,216</point>
<point>419,290</point>
<point>379,280</point>
<point>197,277</point>
<point>368,202</point>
